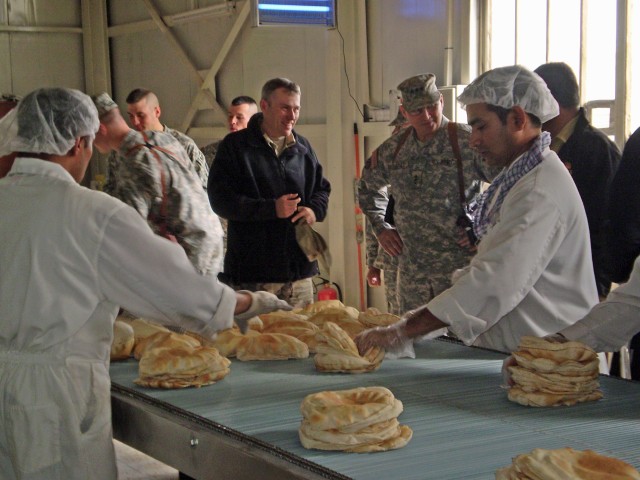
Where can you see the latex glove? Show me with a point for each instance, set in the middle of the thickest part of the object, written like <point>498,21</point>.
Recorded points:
<point>391,338</point>
<point>507,382</point>
<point>261,302</point>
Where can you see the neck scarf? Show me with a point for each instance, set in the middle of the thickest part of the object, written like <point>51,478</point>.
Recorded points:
<point>485,213</point>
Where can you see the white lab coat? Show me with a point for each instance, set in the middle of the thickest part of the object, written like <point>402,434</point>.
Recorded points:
<point>611,324</point>
<point>69,258</point>
<point>532,274</point>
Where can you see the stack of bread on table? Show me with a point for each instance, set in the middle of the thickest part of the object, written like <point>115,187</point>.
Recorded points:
<point>176,360</point>
<point>358,420</point>
<point>550,373</point>
<point>566,463</point>
<point>169,359</point>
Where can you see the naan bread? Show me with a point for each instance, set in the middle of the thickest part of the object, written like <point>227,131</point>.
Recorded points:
<point>541,464</point>
<point>346,318</point>
<point>558,352</point>
<point>401,436</point>
<point>350,410</point>
<point>545,365</point>
<point>321,305</point>
<point>373,318</point>
<point>531,381</point>
<point>542,399</point>
<point>550,374</point>
<point>357,420</point>
<point>270,346</point>
<point>143,328</point>
<point>227,341</point>
<point>337,352</point>
<point>181,367</point>
<point>164,340</point>
<point>123,341</point>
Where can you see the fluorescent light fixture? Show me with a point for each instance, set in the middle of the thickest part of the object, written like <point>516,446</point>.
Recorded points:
<point>294,12</point>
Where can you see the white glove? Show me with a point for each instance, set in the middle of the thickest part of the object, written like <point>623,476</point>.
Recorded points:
<point>261,302</point>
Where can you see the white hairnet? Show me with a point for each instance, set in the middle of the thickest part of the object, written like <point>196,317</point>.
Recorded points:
<point>507,87</point>
<point>48,120</point>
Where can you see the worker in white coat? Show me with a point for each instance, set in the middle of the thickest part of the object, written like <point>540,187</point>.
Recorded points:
<point>69,258</point>
<point>532,274</point>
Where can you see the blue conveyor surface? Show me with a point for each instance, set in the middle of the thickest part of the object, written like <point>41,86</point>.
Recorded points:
<point>464,427</point>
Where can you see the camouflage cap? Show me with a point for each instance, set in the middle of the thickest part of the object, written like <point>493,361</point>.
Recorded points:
<point>104,103</point>
<point>419,91</point>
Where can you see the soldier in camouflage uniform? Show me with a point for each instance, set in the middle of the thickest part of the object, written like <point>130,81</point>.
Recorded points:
<point>144,114</point>
<point>420,167</point>
<point>377,259</point>
<point>161,184</point>
<point>242,108</point>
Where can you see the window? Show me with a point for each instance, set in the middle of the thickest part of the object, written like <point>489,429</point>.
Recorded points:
<point>581,33</point>
<point>295,12</point>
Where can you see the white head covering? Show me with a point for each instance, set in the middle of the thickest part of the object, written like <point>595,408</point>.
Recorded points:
<point>48,120</point>
<point>507,87</point>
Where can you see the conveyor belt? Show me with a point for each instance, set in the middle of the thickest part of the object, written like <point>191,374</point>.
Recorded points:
<point>464,426</point>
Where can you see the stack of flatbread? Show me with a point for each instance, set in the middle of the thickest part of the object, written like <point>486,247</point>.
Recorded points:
<point>337,352</point>
<point>255,345</point>
<point>287,323</point>
<point>567,463</point>
<point>346,318</point>
<point>550,374</point>
<point>172,360</point>
<point>123,341</point>
<point>358,420</point>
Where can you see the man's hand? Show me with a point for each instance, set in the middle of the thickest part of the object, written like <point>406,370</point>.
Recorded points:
<point>260,302</point>
<point>373,277</point>
<point>306,213</point>
<point>464,242</point>
<point>391,242</point>
<point>287,204</point>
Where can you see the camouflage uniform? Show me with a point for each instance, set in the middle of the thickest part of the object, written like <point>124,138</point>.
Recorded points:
<point>378,258</point>
<point>135,179</point>
<point>424,179</point>
<point>210,151</point>
<point>195,154</point>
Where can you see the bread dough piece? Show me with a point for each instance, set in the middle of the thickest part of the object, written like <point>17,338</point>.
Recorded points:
<point>123,341</point>
<point>567,463</point>
<point>270,346</point>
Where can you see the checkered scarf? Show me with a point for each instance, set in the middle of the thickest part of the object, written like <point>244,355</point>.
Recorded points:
<point>484,216</point>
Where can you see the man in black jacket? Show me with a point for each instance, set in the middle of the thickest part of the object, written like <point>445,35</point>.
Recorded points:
<point>591,157</point>
<point>264,180</point>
